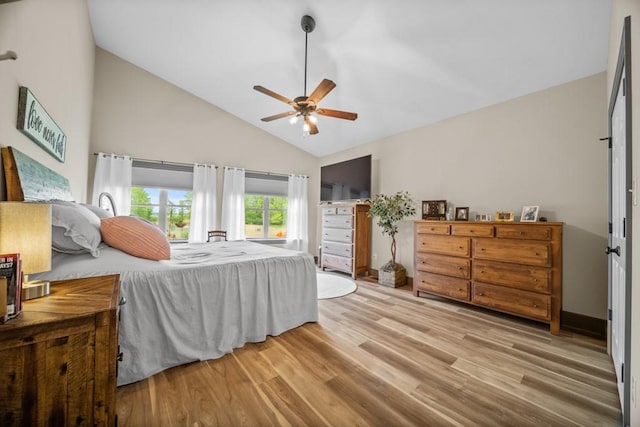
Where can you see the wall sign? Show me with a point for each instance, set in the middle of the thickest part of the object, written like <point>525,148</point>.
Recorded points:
<point>35,122</point>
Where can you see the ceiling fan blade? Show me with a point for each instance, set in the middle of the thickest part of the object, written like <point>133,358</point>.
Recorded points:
<point>273,94</point>
<point>313,129</point>
<point>321,91</point>
<point>279,116</point>
<point>338,114</point>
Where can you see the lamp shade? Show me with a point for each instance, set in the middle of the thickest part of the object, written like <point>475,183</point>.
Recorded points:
<point>25,228</point>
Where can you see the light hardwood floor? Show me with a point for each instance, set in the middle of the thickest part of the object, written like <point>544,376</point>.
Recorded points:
<point>381,356</point>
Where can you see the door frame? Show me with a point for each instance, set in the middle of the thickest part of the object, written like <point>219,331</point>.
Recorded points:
<point>623,63</point>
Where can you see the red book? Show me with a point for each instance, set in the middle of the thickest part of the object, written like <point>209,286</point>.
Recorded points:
<point>10,269</point>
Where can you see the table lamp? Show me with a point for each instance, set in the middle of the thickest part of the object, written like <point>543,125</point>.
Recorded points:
<point>25,228</point>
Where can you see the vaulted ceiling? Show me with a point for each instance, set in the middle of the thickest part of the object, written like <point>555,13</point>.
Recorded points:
<point>399,64</point>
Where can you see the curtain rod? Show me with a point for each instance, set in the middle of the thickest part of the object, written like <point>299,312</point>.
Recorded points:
<point>286,175</point>
<point>162,162</point>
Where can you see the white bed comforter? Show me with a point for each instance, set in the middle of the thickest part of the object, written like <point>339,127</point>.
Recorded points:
<point>207,300</point>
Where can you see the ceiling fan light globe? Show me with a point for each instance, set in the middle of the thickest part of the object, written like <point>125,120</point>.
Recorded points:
<point>293,120</point>
<point>306,128</point>
<point>313,119</point>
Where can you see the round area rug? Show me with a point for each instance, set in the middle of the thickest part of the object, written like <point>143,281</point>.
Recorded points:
<point>333,286</point>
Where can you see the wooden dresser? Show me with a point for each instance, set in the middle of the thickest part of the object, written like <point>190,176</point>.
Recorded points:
<point>346,237</point>
<point>511,267</point>
<point>58,357</point>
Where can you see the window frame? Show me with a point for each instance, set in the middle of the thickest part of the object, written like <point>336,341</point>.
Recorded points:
<point>266,209</point>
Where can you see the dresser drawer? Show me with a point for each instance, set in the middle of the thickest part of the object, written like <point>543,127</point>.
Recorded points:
<point>533,232</point>
<point>338,221</point>
<point>342,249</point>
<point>446,245</point>
<point>473,230</point>
<point>337,235</point>
<point>348,210</point>
<point>528,304</point>
<point>528,278</point>
<point>329,210</point>
<point>529,253</point>
<point>336,263</point>
<point>441,264</point>
<point>442,285</point>
<point>431,228</point>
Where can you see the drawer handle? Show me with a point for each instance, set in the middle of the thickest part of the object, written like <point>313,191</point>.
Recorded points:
<point>481,294</point>
<point>459,268</point>
<point>122,301</point>
<point>481,271</point>
<point>460,289</point>
<point>522,233</point>
<point>535,305</point>
<point>535,280</point>
<point>432,229</point>
<point>460,247</point>
<point>481,249</point>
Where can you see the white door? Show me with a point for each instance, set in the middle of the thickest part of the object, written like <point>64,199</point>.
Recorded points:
<point>617,244</point>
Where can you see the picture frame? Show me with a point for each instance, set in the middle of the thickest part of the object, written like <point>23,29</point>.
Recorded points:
<point>484,217</point>
<point>504,216</point>
<point>434,209</point>
<point>529,214</point>
<point>462,214</point>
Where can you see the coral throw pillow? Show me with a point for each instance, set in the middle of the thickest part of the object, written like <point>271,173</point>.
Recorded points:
<point>136,237</point>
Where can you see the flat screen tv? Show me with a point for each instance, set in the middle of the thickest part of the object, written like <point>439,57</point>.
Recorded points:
<point>348,180</point>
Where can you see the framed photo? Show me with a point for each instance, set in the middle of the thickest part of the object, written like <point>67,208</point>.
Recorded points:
<point>462,214</point>
<point>478,217</point>
<point>504,216</point>
<point>530,214</point>
<point>484,217</point>
<point>434,209</point>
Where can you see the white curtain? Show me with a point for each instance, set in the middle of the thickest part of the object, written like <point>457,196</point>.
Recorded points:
<point>233,203</point>
<point>203,204</point>
<point>113,175</point>
<point>298,214</point>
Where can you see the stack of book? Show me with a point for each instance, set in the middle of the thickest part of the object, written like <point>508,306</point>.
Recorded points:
<point>10,286</point>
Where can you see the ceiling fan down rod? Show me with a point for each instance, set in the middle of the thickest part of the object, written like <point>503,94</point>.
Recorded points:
<point>308,24</point>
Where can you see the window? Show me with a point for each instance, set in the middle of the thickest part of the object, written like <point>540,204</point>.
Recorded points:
<point>161,193</point>
<point>265,206</point>
<point>169,209</point>
<point>265,217</point>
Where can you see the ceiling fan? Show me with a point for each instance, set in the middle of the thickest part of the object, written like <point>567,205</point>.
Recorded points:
<point>304,106</point>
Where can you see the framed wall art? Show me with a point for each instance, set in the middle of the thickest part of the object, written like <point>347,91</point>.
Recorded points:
<point>39,126</point>
<point>530,214</point>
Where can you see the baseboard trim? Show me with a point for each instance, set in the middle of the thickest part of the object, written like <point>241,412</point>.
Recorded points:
<point>584,325</point>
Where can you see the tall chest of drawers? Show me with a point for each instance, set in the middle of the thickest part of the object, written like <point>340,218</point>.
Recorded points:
<point>346,238</point>
<point>511,267</point>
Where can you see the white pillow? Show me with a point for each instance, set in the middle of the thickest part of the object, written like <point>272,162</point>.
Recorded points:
<point>75,229</point>
<point>101,213</point>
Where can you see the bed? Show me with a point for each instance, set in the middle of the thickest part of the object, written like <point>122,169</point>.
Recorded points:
<point>204,301</point>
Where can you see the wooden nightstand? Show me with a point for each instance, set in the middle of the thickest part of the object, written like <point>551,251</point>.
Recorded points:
<point>58,357</point>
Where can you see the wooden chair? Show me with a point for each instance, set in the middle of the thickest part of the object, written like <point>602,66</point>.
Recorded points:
<point>215,234</point>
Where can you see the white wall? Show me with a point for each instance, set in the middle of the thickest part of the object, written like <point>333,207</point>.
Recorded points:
<point>540,149</point>
<point>140,115</point>
<point>621,9</point>
<point>55,47</point>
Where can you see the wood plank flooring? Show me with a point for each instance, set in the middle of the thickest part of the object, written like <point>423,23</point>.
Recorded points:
<point>382,357</point>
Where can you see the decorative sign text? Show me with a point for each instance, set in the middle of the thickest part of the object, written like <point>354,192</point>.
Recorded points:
<point>35,122</point>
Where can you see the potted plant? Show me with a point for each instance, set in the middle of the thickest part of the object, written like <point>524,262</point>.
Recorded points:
<point>390,210</point>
